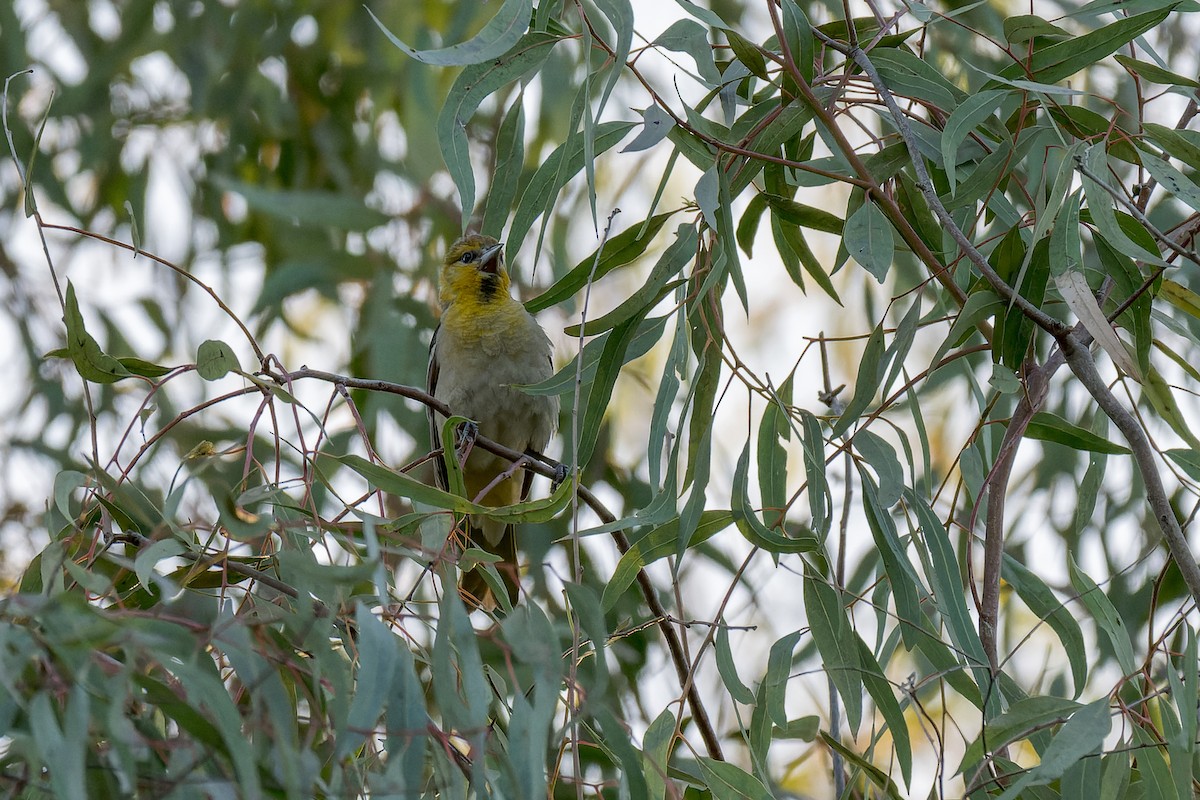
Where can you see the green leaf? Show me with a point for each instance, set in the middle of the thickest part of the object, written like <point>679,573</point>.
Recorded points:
<point>459,685</point>
<point>949,595</point>
<point>773,431</point>
<point>1181,144</point>
<point>687,36</point>
<point>1082,735</point>
<point>835,642</point>
<point>612,359</point>
<point>817,219</point>
<point>656,749</point>
<point>670,263</point>
<point>510,159</point>
<point>473,85</point>
<point>748,54</point>
<point>906,584</point>
<point>619,250</point>
<point>726,780</point>
<point>869,240</point>
<point>1052,428</point>
<point>873,773</point>
<point>870,373</point>
<point>377,647</point>
<point>728,669</point>
<point>1106,616</point>
<point>495,39</point>
<point>1022,28</point>
<point>962,121</point>
<point>1062,60</point>
<point>1156,389</point>
<point>92,363</point>
<point>1042,602</point>
<point>402,485</point>
<point>773,540</point>
<point>880,689</point>
<point>658,543</point>
<point>820,502</point>
<point>1100,204</point>
<point>215,359</point>
<point>146,369</point>
<point>656,125</point>
<point>907,74</point>
<point>881,457</point>
<point>1187,460</point>
<point>1171,179</point>
<point>1154,73</point>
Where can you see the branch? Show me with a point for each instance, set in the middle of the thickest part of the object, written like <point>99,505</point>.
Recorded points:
<point>1077,355</point>
<point>544,466</point>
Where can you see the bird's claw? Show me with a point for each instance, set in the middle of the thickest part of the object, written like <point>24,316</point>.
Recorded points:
<point>468,432</point>
<point>560,474</point>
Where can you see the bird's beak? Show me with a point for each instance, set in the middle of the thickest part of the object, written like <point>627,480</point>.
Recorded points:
<point>491,259</point>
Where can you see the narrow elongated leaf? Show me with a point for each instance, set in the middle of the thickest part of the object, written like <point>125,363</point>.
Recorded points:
<point>1173,180</point>
<point>618,251</point>
<point>835,642</point>
<point>1042,602</point>
<point>869,239</point>
<point>1156,389</point>
<point>402,485</point>
<point>473,85</point>
<point>669,264</point>
<point>1063,59</point>
<point>964,119</point>
<point>728,669</point>
<point>773,540</point>
<point>907,588</point>
<point>881,457</point>
<point>728,780</point>
<point>880,690</point>
<point>510,159</point>
<point>950,596</point>
<point>870,373</point>
<point>92,363</point>
<point>1107,618</point>
<point>820,502</point>
<point>1052,428</point>
<point>874,773</point>
<point>773,430</point>
<point>1181,144</point>
<point>1082,735</point>
<point>1154,73</point>
<point>1075,291</point>
<point>659,543</point>
<point>495,39</point>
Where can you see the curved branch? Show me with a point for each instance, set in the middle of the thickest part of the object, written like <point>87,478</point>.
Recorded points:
<point>544,466</point>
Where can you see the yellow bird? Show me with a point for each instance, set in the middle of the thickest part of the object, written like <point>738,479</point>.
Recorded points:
<point>485,345</point>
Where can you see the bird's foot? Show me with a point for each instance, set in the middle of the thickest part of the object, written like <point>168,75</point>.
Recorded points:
<point>561,473</point>
<point>468,432</point>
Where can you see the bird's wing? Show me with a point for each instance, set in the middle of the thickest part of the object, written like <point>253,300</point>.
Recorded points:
<point>435,433</point>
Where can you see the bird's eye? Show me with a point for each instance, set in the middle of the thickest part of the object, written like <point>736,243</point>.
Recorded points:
<point>468,257</point>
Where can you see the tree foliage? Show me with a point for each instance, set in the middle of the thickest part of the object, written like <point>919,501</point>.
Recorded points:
<point>965,573</point>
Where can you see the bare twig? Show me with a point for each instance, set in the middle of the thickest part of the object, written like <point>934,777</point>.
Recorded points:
<point>549,468</point>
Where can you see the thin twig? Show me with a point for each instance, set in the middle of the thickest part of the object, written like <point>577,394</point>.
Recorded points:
<point>549,468</point>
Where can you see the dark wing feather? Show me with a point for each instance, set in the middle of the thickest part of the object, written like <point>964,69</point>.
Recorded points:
<point>435,433</point>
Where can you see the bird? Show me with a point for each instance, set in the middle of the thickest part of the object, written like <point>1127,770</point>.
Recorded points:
<point>484,347</point>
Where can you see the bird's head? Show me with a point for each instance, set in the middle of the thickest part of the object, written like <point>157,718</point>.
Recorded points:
<point>473,269</point>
